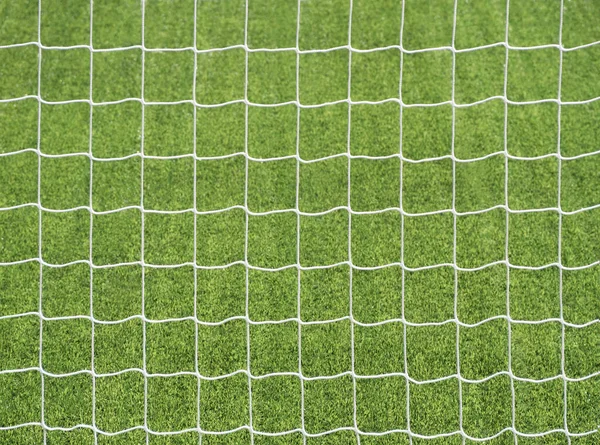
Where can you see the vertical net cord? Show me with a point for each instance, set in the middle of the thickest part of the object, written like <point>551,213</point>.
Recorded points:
<point>454,231</point>
<point>351,279</point>
<point>558,204</point>
<point>403,269</point>
<point>93,367</point>
<point>195,186</point>
<point>299,288</point>
<point>506,224</point>
<point>39,202</point>
<point>247,269</point>
<point>143,261</point>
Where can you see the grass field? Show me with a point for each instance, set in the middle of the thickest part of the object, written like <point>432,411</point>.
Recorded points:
<point>396,300</point>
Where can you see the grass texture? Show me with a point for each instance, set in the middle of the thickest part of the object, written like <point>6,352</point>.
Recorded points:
<point>435,295</point>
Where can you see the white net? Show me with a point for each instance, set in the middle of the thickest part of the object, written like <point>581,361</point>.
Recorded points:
<point>197,265</point>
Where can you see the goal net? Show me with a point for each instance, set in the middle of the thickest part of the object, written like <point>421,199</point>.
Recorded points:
<point>300,221</point>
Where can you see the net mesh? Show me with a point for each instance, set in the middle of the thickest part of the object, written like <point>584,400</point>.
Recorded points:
<point>197,266</point>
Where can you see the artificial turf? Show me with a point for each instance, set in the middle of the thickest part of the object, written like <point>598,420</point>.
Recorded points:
<point>429,299</point>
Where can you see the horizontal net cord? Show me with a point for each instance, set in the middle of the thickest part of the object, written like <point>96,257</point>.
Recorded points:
<point>346,155</point>
<point>303,432</point>
<point>301,105</point>
<point>351,48</point>
<point>300,212</point>
<point>301,376</point>
<point>300,321</point>
<point>299,266</point>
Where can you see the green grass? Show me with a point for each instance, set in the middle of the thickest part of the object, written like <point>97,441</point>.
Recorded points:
<point>432,298</point>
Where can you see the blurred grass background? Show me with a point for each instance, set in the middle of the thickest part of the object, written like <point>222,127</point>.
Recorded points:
<point>532,130</point>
